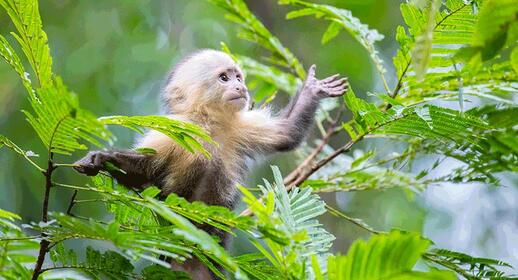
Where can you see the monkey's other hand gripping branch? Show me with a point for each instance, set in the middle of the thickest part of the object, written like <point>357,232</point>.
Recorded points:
<point>128,167</point>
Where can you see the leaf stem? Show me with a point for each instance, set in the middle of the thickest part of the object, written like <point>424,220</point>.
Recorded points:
<point>65,165</point>
<point>357,222</point>
<point>19,238</point>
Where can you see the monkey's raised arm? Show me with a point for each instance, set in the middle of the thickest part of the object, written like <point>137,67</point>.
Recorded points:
<point>131,168</point>
<point>297,116</point>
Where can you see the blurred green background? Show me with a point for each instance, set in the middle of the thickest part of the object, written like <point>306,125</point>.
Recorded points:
<point>115,55</point>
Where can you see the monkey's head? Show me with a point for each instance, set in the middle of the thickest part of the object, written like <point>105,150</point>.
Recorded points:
<point>207,78</point>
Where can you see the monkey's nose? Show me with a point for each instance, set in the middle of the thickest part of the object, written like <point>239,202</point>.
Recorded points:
<point>241,89</point>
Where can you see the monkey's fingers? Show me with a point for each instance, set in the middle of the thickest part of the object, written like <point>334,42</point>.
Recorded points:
<point>330,79</point>
<point>336,83</point>
<point>311,71</point>
<point>338,91</point>
<point>85,166</point>
<point>92,163</point>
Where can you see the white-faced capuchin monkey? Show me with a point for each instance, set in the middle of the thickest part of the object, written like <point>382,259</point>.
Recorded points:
<point>208,89</point>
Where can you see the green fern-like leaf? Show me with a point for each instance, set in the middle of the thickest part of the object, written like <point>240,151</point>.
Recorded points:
<point>344,19</point>
<point>17,250</point>
<point>428,121</point>
<point>148,245</point>
<point>298,211</point>
<point>451,42</point>
<point>254,31</point>
<point>185,134</point>
<point>121,202</point>
<point>60,123</point>
<point>494,27</point>
<point>57,118</point>
<point>256,268</point>
<point>97,265</point>
<point>155,272</point>
<point>26,154</point>
<point>190,233</point>
<point>384,256</point>
<point>33,40</point>
<point>468,266</point>
<point>290,227</point>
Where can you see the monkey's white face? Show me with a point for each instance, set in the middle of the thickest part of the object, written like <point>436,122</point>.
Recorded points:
<point>233,88</point>
<point>207,78</point>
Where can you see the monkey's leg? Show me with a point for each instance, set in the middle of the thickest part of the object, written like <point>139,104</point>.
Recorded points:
<point>132,169</point>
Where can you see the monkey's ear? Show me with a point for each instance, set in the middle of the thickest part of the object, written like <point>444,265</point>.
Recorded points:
<point>174,99</point>
<point>178,98</point>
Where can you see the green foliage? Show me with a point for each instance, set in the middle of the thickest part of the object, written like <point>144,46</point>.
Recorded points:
<point>26,154</point>
<point>183,133</point>
<point>155,272</point>
<point>340,18</point>
<point>106,265</point>
<point>254,31</point>
<point>122,203</point>
<point>97,265</point>
<point>493,151</point>
<point>453,28</point>
<point>423,45</point>
<point>390,256</point>
<point>58,120</point>
<point>16,248</point>
<point>364,173</point>
<point>428,121</point>
<point>134,244</point>
<point>288,222</point>
<point>496,27</point>
<point>468,266</point>
<point>186,230</point>
<point>33,40</point>
<point>298,211</point>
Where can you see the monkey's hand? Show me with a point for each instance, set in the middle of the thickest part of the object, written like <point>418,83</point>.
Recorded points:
<point>332,86</point>
<point>94,162</point>
<point>128,167</point>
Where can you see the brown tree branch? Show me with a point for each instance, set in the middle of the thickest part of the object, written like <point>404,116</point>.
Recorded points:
<point>44,243</point>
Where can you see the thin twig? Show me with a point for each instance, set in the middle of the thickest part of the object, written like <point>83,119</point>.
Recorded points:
<point>72,202</point>
<point>362,225</point>
<point>432,258</point>
<point>44,243</point>
<point>19,238</point>
<point>65,165</point>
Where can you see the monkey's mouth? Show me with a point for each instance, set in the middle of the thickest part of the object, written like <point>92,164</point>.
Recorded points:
<point>238,101</point>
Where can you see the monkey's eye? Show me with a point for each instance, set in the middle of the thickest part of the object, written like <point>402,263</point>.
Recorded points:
<point>238,78</point>
<point>223,77</point>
